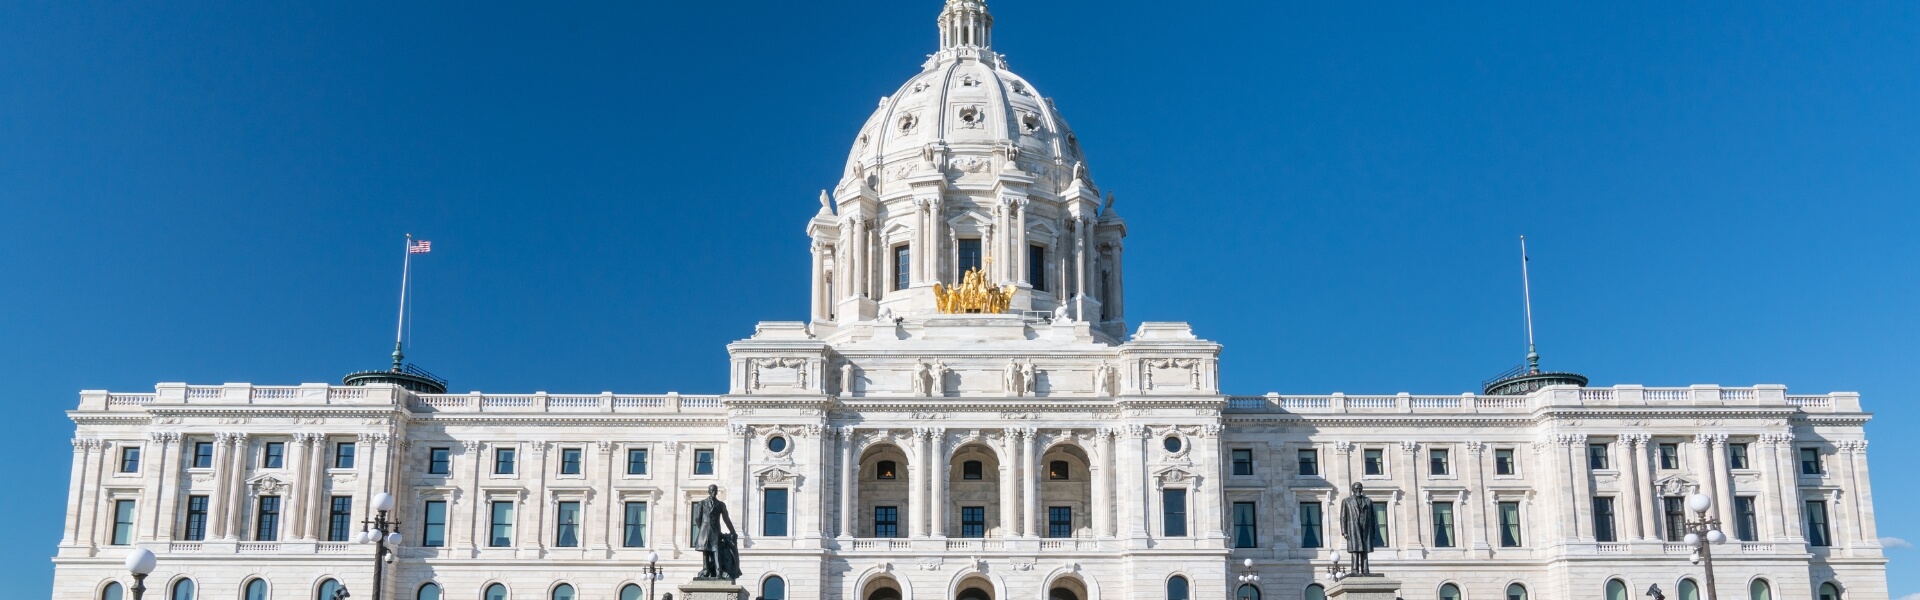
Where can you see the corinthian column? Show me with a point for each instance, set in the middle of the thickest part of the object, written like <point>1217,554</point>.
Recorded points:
<point>917,468</point>
<point>296,490</point>
<point>1722,479</point>
<point>217,501</point>
<point>1029,463</point>
<point>1102,474</point>
<point>940,475</point>
<point>1009,484</point>
<point>849,481</point>
<point>236,504</point>
<point>1637,484</point>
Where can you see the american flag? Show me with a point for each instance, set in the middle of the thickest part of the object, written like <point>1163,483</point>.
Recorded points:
<point>420,247</point>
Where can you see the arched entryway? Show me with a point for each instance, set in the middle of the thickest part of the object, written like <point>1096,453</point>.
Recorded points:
<point>974,588</point>
<point>882,495</point>
<point>973,493</point>
<point>1067,588</point>
<point>1066,493</point>
<point>881,588</point>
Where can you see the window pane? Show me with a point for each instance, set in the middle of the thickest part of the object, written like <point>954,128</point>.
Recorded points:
<point>774,588</point>
<point>1746,517</point>
<point>969,254</point>
<point>1596,456</point>
<point>1315,592</point>
<point>196,518</point>
<point>973,521</point>
<point>1503,462</point>
<point>1669,456</point>
<point>1245,533</point>
<point>563,592</point>
<point>635,535</point>
<point>631,592</point>
<point>1177,588</point>
<point>1242,462</point>
<point>1437,462</point>
<point>428,592</point>
<point>496,592</point>
<point>256,590</point>
<point>1817,523</point>
<point>267,522</point>
<point>1516,592</point>
<point>1309,462</point>
<point>439,461</point>
<point>203,455</point>
<point>1809,461</point>
<point>775,520</point>
<point>1736,456</point>
<point>1829,591</point>
<point>434,534</point>
<point>503,460</point>
<point>901,268</point>
<point>1375,466</point>
<point>1760,590</point>
<point>343,455</point>
<point>703,462</point>
<point>636,462</point>
<point>1449,592</point>
<point>183,589</point>
<point>1174,513</point>
<point>570,461</point>
<point>1310,525</point>
<point>1603,519</point>
<point>1037,267</point>
<point>122,522</point>
<point>1059,522</point>
<point>501,534</point>
<point>274,456</point>
<point>566,532</point>
<point>1616,590</point>
<point>130,459</point>
<point>1057,470</point>
<point>972,470</point>
<point>1247,592</point>
<point>886,521</point>
<point>1689,590</point>
<point>339,518</point>
<point>1443,524</point>
<point>1379,524</point>
<point>113,591</point>
<point>1509,524</point>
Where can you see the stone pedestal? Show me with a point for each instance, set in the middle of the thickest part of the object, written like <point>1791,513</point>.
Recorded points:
<point>1364,587</point>
<point>720,589</point>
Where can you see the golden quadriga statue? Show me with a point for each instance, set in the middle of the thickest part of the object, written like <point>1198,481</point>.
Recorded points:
<point>973,295</point>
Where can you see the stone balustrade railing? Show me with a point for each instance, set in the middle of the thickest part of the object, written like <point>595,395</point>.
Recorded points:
<point>1562,396</point>
<point>168,395</point>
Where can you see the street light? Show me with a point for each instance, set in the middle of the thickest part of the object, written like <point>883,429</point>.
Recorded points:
<point>1335,571</point>
<point>1247,576</point>
<point>140,562</point>
<point>653,573</point>
<point>382,532</point>
<point>1703,531</point>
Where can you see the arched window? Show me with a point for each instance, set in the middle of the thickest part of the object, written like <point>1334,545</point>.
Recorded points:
<point>113,591</point>
<point>1759,590</point>
<point>1829,591</point>
<point>1516,591</point>
<point>1247,592</point>
<point>1315,592</point>
<point>1449,591</point>
<point>428,591</point>
<point>774,588</point>
<point>1689,590</point>
<point>631,592</point>
<point>1616,590</point>
<point>973,594</point>
<point>972,470</point>
<point>256,589</point>
<point>327,589</point>
<point>495,592</point>
<point>1177,589</point>
<point>885,470</point>
<point>182,590</point>
<point>562,592</point>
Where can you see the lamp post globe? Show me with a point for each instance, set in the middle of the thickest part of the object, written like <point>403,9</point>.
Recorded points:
<point>1699,503</point>
<point>1715,537</point>
<point>383,501</point>
<point>140,561</point>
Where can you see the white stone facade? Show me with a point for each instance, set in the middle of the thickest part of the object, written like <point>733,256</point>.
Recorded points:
<point>976,429</point>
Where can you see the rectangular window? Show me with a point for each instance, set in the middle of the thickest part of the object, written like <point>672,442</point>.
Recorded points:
<point>1603,520</point>
<point>434,534</point>
<point>1242,461</point>
<point>1737,456</point>
<point>774,522</point>
<point>503,461</point>
<point>339,518</point>
<point>634,527</point>
<point>1746,518</point>
<point>1509,524</point>
<point>130,459</point>
<point>1817,534</point>
<point>636,461</point>
<point>972,470</point>
<point>266,523</point>
<point>1310,525</point>
<point>196,526</point>
<point>886,521</point>
<point>1443,525</point>
<point>1037,267</point>
<point>569,461</point>
<point>203,455</point>
<point>973,521</point>
<point>1173,513</point>
<point>439,461</point>
<point>1380,525</point>
<point>1675,509</point>
<point>703,462</point>
<point>1245,531</point>
<point>343,455</point>
<point>1059,522</point>
<point>969,254</point>
<point>901,268</point>
<point>1596,456</point>
<point>566,525</point>
<point>273,455</point>
<point>1810,461</point>
<point>1309,462</point>
<point>500,534</point>
<point>1503,462</point>
<point>1669,456</point>
<point>1437,463</point>
<point>1375,461</point>
<point>122,522</point>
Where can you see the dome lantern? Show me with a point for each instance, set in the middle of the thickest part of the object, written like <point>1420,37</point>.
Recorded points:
<point>965,24</point>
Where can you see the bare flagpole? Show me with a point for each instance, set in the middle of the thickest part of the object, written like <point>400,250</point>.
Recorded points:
<point>406,265</point>
<point>1526,290</point>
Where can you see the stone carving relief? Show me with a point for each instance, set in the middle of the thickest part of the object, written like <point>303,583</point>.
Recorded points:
<point>1103,380</point>
<point>908,123</point>
<point>1675,485</point>
<point>929,379</point>
<point>969,80</point>
<point>1182,373</point>
<point>971,117</point>
<point>969,164</point>
<point>265,485</point>
<point>777,477</point>
<point>1019,378</point>
<point>777,372</point>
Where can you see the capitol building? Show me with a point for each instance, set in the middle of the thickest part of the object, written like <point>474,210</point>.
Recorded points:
<point>968,414</point>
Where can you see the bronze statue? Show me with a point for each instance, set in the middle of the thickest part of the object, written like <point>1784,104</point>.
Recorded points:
<point>973,295</point>
<point>1358,525</point>
<point>719,552</point>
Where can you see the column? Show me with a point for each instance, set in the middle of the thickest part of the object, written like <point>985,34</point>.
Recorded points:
<point>296,501</point>
<point>217,501</point>
<point>1018,239</point>
<point>917,484</point>
<point>1414,536</point>
<point>541,505</point>
<point>237,488</point>
<point>863,265</point>
<point>316,483</point>
<point>1472,507</point>
<point>1570,450</point>
<point>1637,485</point>
<point>82,449</point>
<point>1119,309</point>
<point>1009,484</point>
<point>1790,502</point>
<point>164,473</point>
<point>849,481</point>
<point>941,473</point>
<point>817,284</point>
<point>1860,490</point>
<point>1143,506</point>
<point>1030,483</point>
<point>1102,473</point>
<point>1722,480</point>
<point>1703,453</point>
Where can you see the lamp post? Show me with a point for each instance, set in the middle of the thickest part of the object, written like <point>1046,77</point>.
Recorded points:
<point>1247,577</point>
<point>1335,571</point>
<point>1703,531</point>
<point>381,532</point>
<point>653,573</point>
<point>140,562</point>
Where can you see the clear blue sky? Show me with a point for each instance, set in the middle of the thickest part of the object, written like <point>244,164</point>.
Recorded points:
<point>1713,192</point>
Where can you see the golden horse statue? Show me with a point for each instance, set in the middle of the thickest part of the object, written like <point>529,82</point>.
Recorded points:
<point>973,295</point>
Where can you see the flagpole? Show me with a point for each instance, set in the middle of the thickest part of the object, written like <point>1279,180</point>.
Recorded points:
<point>406,265</point>
<point>1526,289</point>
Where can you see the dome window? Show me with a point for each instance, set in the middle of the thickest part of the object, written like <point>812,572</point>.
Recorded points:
<point>970,116</point>
<point>907,123</point>
<point>1029,122</point>
<point>1020,88</point>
